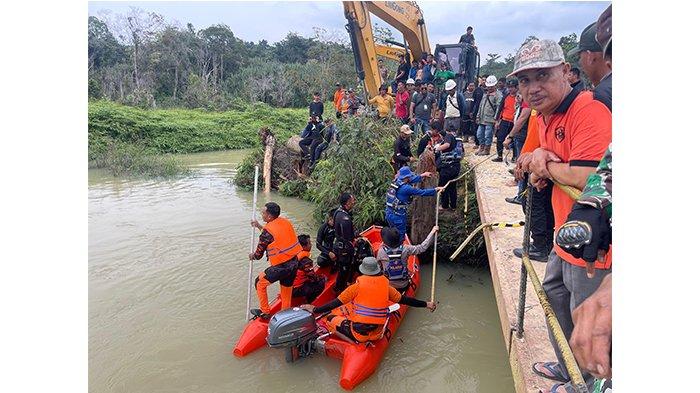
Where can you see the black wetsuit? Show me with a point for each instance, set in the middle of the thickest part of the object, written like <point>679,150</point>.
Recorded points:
<point>343,247</point>
<point>324,243</point>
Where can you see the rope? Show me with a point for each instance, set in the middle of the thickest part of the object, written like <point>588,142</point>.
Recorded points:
<point>559,337</point>
<point>523,272</point>
<point>437,213</point>
<point>481,227</point>
<point>573,192</point>
<point>468,170</point>
<point>527,269</point>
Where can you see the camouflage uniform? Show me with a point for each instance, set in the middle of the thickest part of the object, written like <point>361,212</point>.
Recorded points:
<point>598,190</point>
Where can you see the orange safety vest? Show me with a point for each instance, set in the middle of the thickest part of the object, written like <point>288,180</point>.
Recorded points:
<point>371,305</point>
<point>337,96</point>
<point>285,244</point>
<point>300,278</point>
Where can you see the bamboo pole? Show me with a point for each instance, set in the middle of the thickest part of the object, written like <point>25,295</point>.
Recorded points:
<point>437,206</point>
<point>252,244</point>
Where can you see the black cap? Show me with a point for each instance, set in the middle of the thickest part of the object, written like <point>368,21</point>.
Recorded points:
<point>587,41</point>
<point>512,82</point>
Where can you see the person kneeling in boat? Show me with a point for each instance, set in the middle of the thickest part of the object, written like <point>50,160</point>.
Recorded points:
<point>362,309</point>
<point>400,195</point>
<point>280,242</point>
<point>393,255</point>
<point>307,283</point>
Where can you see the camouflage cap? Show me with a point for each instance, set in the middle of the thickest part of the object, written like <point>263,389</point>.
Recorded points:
<point>604,29</point>
<point>538,54</point>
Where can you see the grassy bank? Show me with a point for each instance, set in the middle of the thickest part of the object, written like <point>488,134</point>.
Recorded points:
<point>128,140</point>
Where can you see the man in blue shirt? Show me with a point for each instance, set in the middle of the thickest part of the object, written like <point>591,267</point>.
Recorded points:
<point>428,69</point>
<point>399,196</point>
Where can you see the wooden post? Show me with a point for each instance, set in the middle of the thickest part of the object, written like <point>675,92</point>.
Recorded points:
<point>423,208</point>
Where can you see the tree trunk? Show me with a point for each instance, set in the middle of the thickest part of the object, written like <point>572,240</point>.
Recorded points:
<point>176,83</point>
<point>423,208</point>
<point>267,162</point>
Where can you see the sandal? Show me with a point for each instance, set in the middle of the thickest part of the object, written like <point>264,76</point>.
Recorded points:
<point>554,388</point>
<point>552,367</point>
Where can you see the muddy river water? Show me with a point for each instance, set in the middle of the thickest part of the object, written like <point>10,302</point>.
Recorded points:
<point>167,279</point>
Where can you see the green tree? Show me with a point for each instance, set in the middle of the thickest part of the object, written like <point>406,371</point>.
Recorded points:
<point>103,48</point>
<point>567,43</point>
<point>293,49</point>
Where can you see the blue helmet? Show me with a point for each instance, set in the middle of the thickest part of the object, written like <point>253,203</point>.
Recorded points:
<point>405,172</point>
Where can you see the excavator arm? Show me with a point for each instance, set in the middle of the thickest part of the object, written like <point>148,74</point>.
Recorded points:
<point>390,52</point>
<point>406,17</point>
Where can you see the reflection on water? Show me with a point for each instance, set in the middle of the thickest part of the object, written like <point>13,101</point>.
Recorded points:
<point>167,289</point>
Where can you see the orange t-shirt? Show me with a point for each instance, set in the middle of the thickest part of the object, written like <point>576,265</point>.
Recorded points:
<point>578,132</point>
<point>532,140</point>
<point>508,112</point>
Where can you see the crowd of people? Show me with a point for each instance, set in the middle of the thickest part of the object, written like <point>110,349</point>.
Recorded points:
<point>559,133</point>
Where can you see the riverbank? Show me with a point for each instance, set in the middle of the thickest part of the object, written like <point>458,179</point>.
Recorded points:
<point>132,141</point>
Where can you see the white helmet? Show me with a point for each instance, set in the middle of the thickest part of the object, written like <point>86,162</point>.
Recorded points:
<point>491,81</point>
<point>450,84</point>
<point>410,81</point>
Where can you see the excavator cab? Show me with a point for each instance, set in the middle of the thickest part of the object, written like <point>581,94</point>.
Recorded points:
<point>463,59</point>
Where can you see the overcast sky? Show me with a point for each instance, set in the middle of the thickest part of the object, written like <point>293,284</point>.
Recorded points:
<point>499,27</point>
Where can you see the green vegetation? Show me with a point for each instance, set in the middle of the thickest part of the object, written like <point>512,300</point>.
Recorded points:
<point>186,130</point>
<point>360,165</point>
<point>128,159</point>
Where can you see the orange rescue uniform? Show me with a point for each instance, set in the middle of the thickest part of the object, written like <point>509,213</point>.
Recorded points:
<point>281,253</point>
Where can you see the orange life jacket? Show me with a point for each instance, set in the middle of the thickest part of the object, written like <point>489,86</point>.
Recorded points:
<point>371,305</point>
<point>301,276</point>
<point>285,244</point>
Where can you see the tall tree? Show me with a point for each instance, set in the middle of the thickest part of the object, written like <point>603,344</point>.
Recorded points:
<point>103,48</point>
<point>137,28</point>
<point>293,49</point>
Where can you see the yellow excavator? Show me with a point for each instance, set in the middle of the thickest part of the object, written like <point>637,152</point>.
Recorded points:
<point>406,17</point>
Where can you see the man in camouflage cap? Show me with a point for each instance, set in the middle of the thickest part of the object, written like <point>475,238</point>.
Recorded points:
<point>574,131</point>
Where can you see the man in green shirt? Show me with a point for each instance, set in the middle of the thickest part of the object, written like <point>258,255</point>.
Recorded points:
<point>442,76</point>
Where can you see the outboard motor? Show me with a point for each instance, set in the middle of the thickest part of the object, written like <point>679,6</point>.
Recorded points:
<point>294,329</point>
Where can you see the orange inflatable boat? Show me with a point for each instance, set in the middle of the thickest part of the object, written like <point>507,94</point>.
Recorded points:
<point>255,332</point>
<point>302,334</point>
